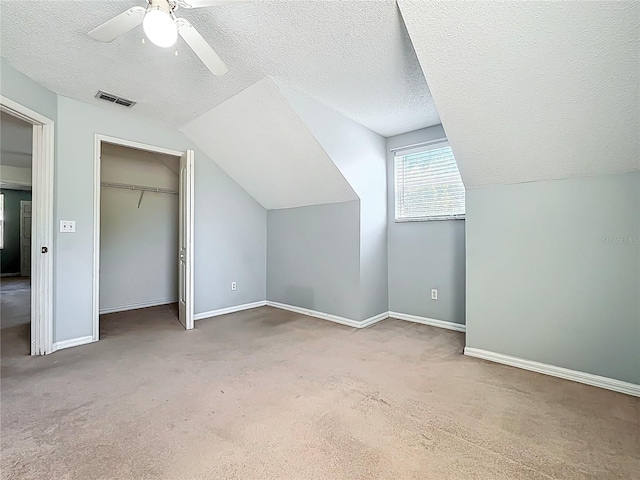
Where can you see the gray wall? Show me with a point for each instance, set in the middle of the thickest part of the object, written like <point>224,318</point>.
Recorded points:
<point>138,244</point>
<point>230,226</point>
<point>553,273</point>
<point>20,88</point>
<point>312,258</point>
<point>10,254</point>
<point>424,255</point>
<point>360,156</point>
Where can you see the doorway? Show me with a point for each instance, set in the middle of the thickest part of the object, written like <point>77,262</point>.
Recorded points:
<point>143,234</point>
<point>26,229</point>
<point>16,141</point>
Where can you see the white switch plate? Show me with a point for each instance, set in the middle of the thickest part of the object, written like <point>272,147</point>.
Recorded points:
<point>233,285</point>
<point>434,294</point>
<point>67,226</point>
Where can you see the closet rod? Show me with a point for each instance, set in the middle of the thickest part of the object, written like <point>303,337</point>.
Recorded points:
<point>140,188</point>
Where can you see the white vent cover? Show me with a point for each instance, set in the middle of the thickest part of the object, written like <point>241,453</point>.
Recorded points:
<point>109,97</point>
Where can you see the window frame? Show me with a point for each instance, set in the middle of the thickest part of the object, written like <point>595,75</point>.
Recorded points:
<point>398,153</point>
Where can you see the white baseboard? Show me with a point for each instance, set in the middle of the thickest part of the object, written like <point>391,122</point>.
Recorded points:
<point>328,316</point>
<point>560,372</point>
<point>74,342</point>
<point>375,319</point>
<point>135,306</point>
<point>2,275</point>
<point>224,311</point>
<point>458,327</point>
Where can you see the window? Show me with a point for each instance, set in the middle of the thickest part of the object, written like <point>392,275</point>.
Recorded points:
<point>1,220</point>
<point>428,185</point>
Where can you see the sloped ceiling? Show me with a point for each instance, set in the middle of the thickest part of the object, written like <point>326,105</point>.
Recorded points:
<point>258,140</point>
<point>353,56</point>
<point>531,91</point>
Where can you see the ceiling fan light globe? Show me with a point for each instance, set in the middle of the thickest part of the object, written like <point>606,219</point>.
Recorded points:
<point>160,28</point>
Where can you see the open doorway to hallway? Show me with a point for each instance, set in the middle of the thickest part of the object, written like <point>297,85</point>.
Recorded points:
<point>16,141</point>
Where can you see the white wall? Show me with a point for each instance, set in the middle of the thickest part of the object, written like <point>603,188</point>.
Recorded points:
<point>424,255</point>
<point>138,245</point>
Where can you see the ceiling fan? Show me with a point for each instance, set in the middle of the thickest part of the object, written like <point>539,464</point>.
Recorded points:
<point>162,27</point>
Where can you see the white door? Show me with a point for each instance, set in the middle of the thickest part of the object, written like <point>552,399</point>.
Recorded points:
<point>25,238</point>
<point>185,298</point>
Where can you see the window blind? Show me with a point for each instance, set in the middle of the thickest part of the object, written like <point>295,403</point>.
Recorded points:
<point>428,185</point>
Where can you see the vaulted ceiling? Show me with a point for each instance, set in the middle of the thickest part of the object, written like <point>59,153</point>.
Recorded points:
<point>259,140</point>
<point>527,91</point>
<point>352,56</point>
<point>532,91</point>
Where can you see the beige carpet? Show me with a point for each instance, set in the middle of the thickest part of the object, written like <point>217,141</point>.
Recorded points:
<point>267,394</point>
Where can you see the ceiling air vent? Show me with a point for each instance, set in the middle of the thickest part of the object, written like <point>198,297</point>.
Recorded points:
<point>115,99</point>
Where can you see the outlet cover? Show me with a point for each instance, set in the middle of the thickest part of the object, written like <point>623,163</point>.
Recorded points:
<point>434,294</point>
<point>234,286</point>
<point>67,226</point>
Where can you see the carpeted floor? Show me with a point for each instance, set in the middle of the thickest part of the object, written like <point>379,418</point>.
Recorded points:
<point>15,301</point>
<point>267,394</point>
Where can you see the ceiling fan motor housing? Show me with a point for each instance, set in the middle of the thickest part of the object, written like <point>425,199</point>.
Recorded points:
<point>168,6</point>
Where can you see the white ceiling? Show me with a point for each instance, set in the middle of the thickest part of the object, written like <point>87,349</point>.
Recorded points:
<point>258,139</point>
<point>533,91</point>
<point>15,141</point>
<point>353,56</point>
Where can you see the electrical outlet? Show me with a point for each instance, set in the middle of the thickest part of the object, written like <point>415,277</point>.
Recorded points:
<point>434,294</point>
<point>234,286</point>
<point>67,226</point>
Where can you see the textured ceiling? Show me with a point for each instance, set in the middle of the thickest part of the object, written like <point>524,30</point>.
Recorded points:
<point>258,139</point>
<point>532,91</point>
<point>353,56</point>
<point>15,141</point>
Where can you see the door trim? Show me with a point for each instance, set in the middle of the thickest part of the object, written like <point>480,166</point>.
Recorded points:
<point>98,139</point>
<point>42,181</point>
<point>186,277</point>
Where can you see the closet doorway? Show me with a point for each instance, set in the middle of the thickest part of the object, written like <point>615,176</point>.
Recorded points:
<point>143,235</point>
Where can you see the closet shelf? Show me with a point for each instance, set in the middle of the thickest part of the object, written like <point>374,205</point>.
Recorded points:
<point>140,188</point>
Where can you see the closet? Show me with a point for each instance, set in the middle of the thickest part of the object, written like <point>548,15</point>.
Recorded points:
<point>139,229</point>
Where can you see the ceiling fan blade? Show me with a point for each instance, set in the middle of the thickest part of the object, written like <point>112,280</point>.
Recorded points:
<point>201,48</point>
<point>119,25</point>
<point>208,3</point>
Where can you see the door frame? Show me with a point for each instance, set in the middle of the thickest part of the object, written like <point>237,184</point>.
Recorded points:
<point>22,204</point>
<point>98,139</point>
<point>42,197</point>
<point>185,242</point>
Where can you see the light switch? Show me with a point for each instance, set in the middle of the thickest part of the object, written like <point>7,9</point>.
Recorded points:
<point>67,226</point>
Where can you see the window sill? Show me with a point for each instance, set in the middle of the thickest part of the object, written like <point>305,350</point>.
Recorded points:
<point>428,219</point>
